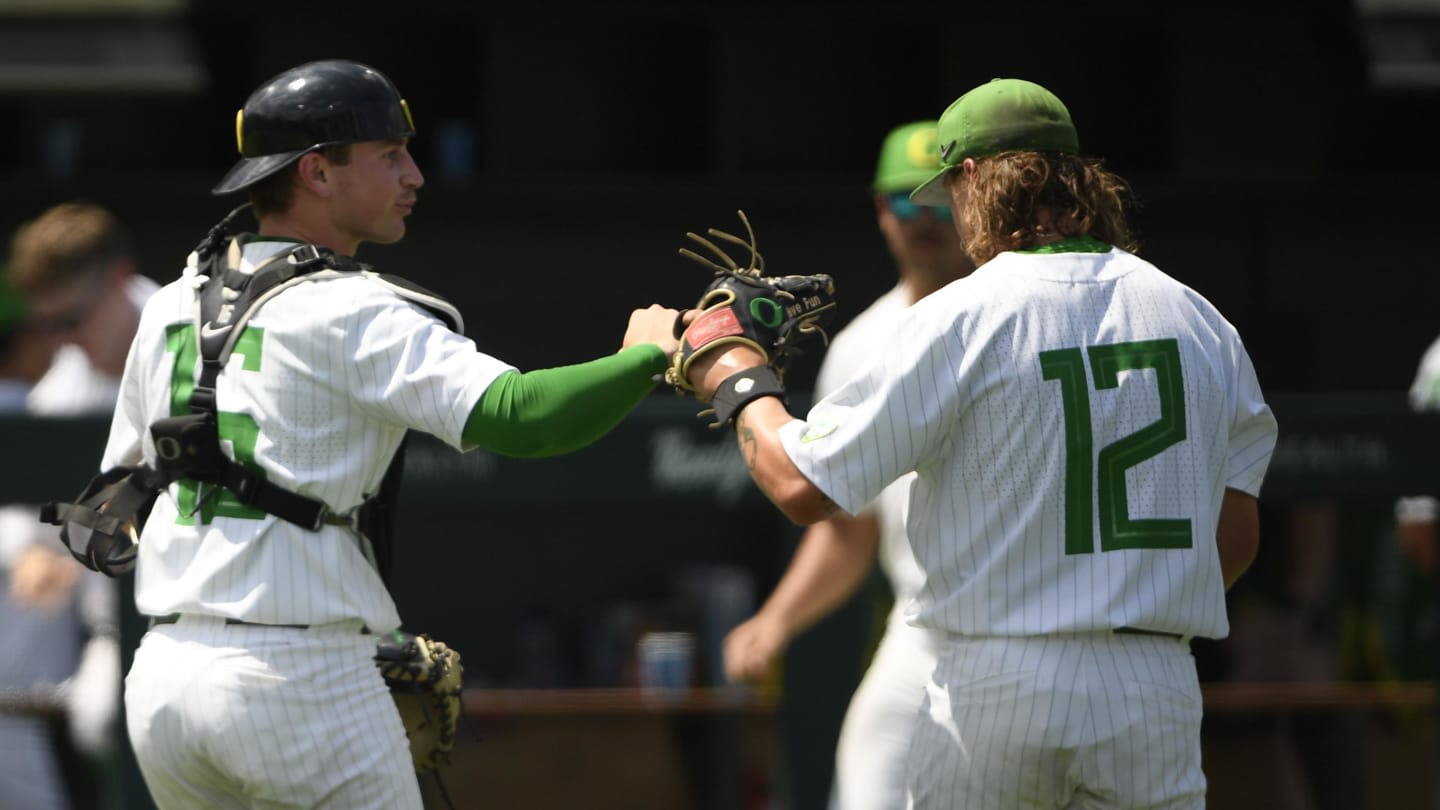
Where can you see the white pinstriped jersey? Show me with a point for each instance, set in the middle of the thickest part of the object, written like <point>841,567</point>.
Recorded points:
<point>876,733</point>
<point>1074,420</point>
<point>1424,396</point>
<point>853,348</point>
<point>1425,390</point>
<point>325,380</point>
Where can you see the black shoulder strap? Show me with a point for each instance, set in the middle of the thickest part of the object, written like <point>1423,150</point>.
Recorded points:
<point>225,307</point>
<point>227,301</point>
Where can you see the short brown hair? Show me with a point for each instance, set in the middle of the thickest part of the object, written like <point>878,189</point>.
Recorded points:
<point>273,194</point>
<point>64,243</point>
<point>1082,195</point>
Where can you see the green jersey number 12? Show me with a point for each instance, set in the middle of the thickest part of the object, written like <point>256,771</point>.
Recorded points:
<point>1082,495</point>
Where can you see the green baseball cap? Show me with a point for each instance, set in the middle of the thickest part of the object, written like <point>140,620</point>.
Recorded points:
<point>12,306</point>
<point>908,157</point>
<point>1002,115</point>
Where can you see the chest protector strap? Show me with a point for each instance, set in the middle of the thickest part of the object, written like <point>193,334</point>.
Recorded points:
<point>100,526</point>
<point>189,446</point>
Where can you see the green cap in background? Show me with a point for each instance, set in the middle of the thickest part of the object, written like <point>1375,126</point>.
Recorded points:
<point>908,157</point>
<point>1002,115</point>
<point>12,306</point>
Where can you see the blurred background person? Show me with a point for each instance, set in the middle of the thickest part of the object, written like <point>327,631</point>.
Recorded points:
<point>40,626</point>
<point>836,555</point>
<point>25,352</point>
<point>75,268</point>
<point>75,264</point>
<point>1415,515</point>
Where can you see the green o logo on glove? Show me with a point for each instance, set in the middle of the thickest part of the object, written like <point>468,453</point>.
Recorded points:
<point>771,314</point>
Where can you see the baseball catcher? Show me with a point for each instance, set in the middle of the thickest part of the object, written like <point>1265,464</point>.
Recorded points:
<point>772,314</point>
<point>424,678</point>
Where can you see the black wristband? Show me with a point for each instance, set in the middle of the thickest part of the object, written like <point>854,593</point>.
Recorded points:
<point>742,388</point>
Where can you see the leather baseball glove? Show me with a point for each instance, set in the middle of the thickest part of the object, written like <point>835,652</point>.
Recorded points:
<point>424,678</point>
<point>775,315</point>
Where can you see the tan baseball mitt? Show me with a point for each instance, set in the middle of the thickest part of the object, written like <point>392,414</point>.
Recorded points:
<point>424,677</point>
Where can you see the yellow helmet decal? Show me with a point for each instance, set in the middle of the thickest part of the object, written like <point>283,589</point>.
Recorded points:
<point>240,131</point>
<point>408,119</point>
<point>920,148</point>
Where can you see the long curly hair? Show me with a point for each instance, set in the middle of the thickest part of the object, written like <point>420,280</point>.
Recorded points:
<point>1009,188</point>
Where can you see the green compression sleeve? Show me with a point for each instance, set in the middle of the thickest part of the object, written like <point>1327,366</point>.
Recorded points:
<point>552,411</point>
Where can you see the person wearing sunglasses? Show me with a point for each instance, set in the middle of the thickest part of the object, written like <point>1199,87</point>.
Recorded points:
<point>836,555</point>
<point>76,265</point>
<point>75,268</point>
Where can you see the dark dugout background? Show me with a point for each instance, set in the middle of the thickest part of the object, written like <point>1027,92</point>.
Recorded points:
<point>1278,148</point>
<point>1282,153</point>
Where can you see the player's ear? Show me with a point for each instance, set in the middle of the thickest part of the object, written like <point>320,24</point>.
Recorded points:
<point>313,171</point>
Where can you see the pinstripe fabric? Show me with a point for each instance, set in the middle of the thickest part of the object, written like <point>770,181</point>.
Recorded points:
<point>852,349</point>
<point>1085,721</point>
<point>1072,421</point>
<point>960,398</point>
<point>345,367</point>
<point>330,372</point>
<point>285,718</point>
<point>875,735</point>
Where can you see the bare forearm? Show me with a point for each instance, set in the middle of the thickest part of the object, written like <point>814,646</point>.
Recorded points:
<point>757,429</point>
<point>1238,534</point>
<point>832,560</point>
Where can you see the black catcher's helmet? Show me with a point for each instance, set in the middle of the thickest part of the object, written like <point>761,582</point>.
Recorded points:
<point>317,104</point>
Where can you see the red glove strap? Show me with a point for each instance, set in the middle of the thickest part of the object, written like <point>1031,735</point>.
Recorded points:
<point>712,325</point>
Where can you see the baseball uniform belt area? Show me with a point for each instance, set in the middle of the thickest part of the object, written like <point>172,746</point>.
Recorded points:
<point>1140,631</point>
<point>172,618</point>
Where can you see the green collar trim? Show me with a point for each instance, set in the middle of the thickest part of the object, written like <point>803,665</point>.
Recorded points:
<point>1084,243</point>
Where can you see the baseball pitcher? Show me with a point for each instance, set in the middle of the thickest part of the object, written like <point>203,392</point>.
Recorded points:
<point>1088,439</point>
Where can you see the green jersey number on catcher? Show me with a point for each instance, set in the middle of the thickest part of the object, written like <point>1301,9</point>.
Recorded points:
<point>772,314</point>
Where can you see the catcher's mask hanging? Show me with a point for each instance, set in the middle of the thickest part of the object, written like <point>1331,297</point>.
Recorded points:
<point>100,528</point>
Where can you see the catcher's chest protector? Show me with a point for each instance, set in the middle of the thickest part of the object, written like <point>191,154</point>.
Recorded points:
<point>189,446</point>
<point>227,302</point>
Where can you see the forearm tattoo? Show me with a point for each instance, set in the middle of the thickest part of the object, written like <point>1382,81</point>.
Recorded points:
<point>749,443</point>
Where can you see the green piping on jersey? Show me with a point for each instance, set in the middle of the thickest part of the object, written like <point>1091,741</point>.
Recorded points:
<point>558,410</point>
<point>1084,243</point>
